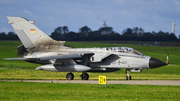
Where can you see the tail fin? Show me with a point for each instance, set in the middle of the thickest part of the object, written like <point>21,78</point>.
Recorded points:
<point>30,35</point>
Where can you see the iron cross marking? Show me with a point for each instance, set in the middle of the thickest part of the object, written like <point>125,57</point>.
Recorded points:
<point>123,62</point>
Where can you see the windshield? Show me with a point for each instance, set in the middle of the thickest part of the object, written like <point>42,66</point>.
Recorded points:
<point>124,50</point>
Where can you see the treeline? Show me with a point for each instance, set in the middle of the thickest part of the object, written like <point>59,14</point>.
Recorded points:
<point>107,34</point>
<point>9,36</point>
<point>102,34</point>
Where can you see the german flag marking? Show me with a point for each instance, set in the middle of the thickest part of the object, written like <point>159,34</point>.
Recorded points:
<point>32,31</point>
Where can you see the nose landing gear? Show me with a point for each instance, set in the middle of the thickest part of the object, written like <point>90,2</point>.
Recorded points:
<point>128,77</point>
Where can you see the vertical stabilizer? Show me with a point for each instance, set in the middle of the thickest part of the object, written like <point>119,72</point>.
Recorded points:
<point>30,35</point>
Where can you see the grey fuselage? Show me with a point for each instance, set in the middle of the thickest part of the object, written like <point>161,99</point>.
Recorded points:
<point>101,61</point>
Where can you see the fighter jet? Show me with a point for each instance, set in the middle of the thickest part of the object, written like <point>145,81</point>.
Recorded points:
<point>37,47</point>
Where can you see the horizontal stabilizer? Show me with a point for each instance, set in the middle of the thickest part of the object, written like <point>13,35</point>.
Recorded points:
<point>67,56</point>
<point>15,58</point>
<point>50,57</point>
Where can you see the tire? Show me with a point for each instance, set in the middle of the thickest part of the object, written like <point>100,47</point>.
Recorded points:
<point>126,77</point>
<point>85,76</point>
<point>130,78</point>
<point>70,76</point>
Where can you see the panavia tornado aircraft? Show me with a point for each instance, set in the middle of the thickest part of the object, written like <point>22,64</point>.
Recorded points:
<point>39,48</point>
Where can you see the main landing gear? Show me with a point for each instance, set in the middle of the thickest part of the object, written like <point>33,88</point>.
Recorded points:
<point>128,76</point>
<point>84,76</point>
<point>70,76</point>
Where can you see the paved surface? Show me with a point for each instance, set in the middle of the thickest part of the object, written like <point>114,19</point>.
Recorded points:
<point>132,82</point>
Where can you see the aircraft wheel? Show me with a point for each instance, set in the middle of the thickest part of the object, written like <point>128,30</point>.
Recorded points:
<point>126,77</point>
<point>130,78</point>
<point>70,76</point>
<point>85,76</point>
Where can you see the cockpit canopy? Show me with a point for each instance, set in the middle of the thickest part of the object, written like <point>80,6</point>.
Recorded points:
<point>124,50</point>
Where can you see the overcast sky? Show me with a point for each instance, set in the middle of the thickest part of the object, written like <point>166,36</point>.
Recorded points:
<point>151,15</point>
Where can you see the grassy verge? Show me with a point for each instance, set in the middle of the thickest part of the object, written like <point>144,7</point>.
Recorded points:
<point>19,91</point>
<point>23,74</point>
<point>24,70</point>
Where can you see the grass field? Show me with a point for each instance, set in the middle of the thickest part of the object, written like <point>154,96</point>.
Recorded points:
<point>23,91</point>
<point>24,70</point>
<point>18,91</point>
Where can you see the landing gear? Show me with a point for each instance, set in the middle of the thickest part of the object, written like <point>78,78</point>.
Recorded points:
<point>84,76</point>
<point>128,76</point>
<point>70,76</point>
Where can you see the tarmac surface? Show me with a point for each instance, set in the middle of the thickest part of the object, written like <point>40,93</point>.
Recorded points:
<point>131,82</point>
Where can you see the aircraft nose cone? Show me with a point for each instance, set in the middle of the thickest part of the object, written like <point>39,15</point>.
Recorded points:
<point>154,63</point>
